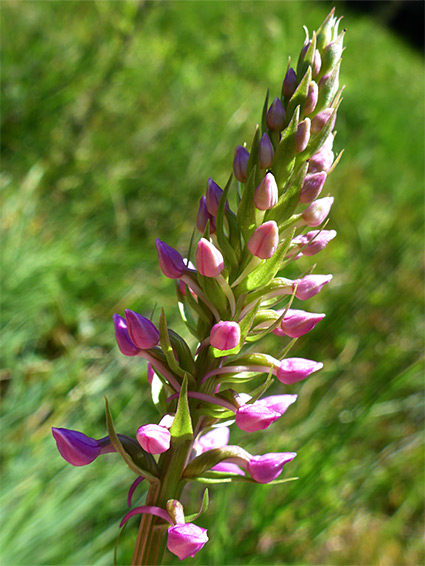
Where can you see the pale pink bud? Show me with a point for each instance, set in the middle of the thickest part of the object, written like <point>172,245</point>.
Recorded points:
<point>186,540</point>
<point>265,152</point>
<point>321,119</point>
<point>312,187</point>
<point>225,335</point>
<point>154,438</point>
<point>266,194</point>
<point>264,241</point>
<point>266,468</point>
<point>170,261</point>
<point>290,83</point>
<point>315,241</point>
<point>141,330</point>
<point>310,285</point>
<point>317,212</point>
<point>209,260</point>
<point>296,323</point>
<point>213,196</point>
<point>240,163</point>
<point>302,135</point>
<point>312,97</point>
<point>317,63</point>
<point>276,116</point>
<point>122,337</point>
<point>321,161</point>
<point>292,370</point>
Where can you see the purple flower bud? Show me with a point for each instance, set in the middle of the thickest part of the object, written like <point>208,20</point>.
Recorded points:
<point>240,164</point>
<point>315,241</point>
<point>264,241</point>
<point>318,210</point>
<point>321,119</point>
<point>203,216</point>
<point>310,285</point>
<point>122,337</point>
<point>170,261</point>
<point>321,161</point>
<point>312,187</point>
<point>143,333</point>
<point>265,152</point>
<point>317,63</point>
<point>225,335</point>
<point>77,448</point>
<point>209,259</point>
<point>311,99</point>
<point>292,370</point>
<point>266,468</point>
<point>154,438</point>
<point>266,194</point>
<point>186,540</point>
<point>296,323</point>
<point>276,116</point>
<point>290,83</point>
<point>213,196</point>
<point>302,135</point>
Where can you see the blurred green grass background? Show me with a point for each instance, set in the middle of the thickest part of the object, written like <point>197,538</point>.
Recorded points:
<point>114,114</point>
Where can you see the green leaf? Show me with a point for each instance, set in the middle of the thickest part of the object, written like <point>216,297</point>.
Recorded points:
<point>140,462</point>
<point>214,292</point>
<point>284,157</point>
<point>246,214</point>
<point>203,509</point>
<point>181,429</point>
<point>166,347</point>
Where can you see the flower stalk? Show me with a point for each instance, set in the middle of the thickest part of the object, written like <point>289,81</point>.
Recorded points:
<point>227,299</point>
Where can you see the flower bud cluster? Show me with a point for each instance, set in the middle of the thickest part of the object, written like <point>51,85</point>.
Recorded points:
<point>228,299</point>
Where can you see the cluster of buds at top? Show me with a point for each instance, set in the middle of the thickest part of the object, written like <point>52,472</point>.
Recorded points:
<point>228,298</point>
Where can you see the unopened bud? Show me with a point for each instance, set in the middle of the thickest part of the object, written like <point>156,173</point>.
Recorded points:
<point>315,241</point>
<point>170,261</point>
<point>213,196</point>
<point>311,99</point>
<point>302,135</point>
<point>154,438</point>
<point>321,119</point>
<point>290,83</point>
<point>276,116</point>
<point>75,447</point>
<point>268,467</point>
<point>124,342</point>
<point>310,285</point>
<point>312,187</point>
<point>264,241</point>
<point>209,260</point>
<point>317,212</point>
<point>296,323</point>
<point>292,370</point>
<point>266,194</point>
<point>141,330</point>
<point>265,152</point>
<point>225,335</point>
<point>321,161</point>
<point>203,217</point>
<point>240,163</point>
<point>317,63</point>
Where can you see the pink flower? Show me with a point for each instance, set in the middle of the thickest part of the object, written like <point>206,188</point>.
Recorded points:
<point>225,335</point>
<point>266,468</point>
<point>209,259</point>
<point>315,241</point>
<point>310,285</point>
<point>264,241</point>
<point>186,540</point>
<point>154,438</point>
<point>312,187</point>
<point>292,370</point>
<point>317,212</point>
<point>266,194</point>
<point>296,323</point>
<point>261,414</point>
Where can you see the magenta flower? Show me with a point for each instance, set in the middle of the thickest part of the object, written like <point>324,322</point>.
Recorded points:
<point>296,323</point>
<point>143,333</point>
<point>317,212</point>
<point>292,370</point>
<point>186,540</point>
<point>216,438</point>
<point>261,414</point>
<point>122,337</point>
<point>240,164</point>
<point>266,468</point>
<point>170,261</point>
<point>310,285</point>
<point>266,194</point>
<point>209,259</point>
<point>77,448</point>
<point>154,438</point>
<point>264,241</point>
<point>225,335</point>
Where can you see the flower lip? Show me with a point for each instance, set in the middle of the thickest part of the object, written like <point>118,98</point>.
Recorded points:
<point>186,540</point>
